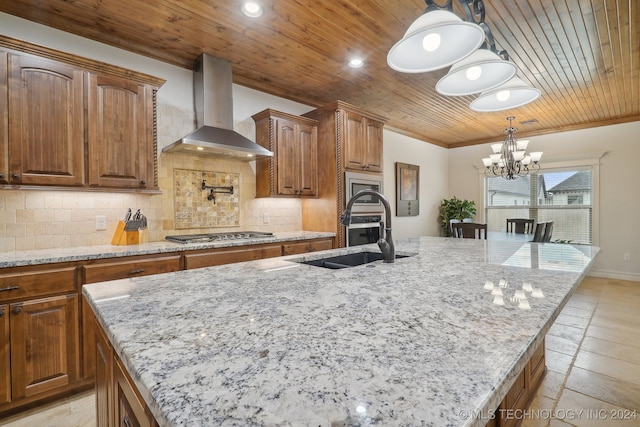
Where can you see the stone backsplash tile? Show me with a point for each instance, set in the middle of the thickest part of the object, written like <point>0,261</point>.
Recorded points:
<point>192,207</point>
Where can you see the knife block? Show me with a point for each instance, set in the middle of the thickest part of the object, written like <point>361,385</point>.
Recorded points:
<point>122,237</point>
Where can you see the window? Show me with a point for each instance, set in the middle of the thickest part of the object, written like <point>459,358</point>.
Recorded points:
<point>562,196</point>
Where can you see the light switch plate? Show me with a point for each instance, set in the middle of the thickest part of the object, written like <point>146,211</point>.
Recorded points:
<point>265,218</point>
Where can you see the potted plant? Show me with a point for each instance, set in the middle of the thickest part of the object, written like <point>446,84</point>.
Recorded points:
<point>455,209</point>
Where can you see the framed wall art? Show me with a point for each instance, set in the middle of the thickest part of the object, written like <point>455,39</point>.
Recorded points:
<point>407,189</point>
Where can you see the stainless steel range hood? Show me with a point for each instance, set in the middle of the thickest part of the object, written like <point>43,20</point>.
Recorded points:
<point>214,136</point>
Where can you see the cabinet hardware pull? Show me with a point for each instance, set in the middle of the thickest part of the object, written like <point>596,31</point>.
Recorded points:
<point>143,182</point>
<point>125,421</point>
<point>1,175</point>
<point>1,314</point>
<point>17,310</point>
<point>15,176</point>
<point>141,270</point>
<point>9,288</point>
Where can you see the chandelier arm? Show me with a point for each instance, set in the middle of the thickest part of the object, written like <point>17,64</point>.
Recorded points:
<point>432,5</point>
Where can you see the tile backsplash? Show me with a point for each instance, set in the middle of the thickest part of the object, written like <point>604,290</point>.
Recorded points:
<point>195,207</point>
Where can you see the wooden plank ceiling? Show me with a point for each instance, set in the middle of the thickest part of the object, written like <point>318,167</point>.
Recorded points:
<point>583,55</point>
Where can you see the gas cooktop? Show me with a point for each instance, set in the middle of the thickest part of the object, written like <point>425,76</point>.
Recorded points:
<point>214,237</point>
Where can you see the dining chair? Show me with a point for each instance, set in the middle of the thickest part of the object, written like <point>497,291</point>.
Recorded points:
<point>538,232</point>
<point>520,225</point>
<point>469,230</point>
<point>548,230</point>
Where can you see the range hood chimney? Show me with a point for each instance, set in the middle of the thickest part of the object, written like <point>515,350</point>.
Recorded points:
<point>214,135</point>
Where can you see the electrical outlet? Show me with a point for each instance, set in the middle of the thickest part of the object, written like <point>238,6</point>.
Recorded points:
<point>627,257</point>
<point>265,218</point>
<point>101,222</point>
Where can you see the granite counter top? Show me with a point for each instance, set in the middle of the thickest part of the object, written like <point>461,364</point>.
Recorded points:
<point>421,341</point>
<point>83,253</point>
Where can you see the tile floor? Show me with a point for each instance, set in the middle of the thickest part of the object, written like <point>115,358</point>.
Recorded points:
<point>593,362</point>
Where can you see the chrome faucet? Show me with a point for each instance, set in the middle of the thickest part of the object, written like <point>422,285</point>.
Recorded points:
<point>386,245</point>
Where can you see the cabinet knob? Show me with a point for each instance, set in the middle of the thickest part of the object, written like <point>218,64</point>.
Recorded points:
<point>1,175</point>
<point>15,176</point>
<point>1,314</point>
<point>125,421</point>
<point>143,182</point>
<point>17,310</point>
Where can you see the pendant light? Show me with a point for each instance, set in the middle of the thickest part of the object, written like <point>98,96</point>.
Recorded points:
<point>511,94</point>
<point>435,40</point>
<point>478,72</point>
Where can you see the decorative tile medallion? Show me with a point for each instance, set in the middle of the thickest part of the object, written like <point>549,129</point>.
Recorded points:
<point>192,207</point>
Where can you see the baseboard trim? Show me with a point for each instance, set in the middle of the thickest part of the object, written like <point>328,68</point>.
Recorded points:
<point>608,274</point>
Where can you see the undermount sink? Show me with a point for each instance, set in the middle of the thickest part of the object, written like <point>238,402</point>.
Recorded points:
<point>349,260</point>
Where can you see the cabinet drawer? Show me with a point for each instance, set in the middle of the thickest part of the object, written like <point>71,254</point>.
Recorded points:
<point>25,285</point>
<point>133,268</point>
<point>304,247</point>
<point>228,256</point>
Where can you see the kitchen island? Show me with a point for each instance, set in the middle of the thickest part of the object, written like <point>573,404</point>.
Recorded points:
<point>422,341</point>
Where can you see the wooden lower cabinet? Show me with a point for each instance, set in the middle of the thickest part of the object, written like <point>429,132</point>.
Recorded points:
<point>5,357</point>
<point>211,257</point>
<point>44,345</point>
<point>305,247</point>
<point>130,409</point>
<point>40,344</point>
<point>511,410</point>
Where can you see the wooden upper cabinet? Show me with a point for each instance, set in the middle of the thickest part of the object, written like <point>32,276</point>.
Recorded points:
<point>120,137</point>
<point>46,126</point>
<point>293,170</point>
<point>75,122</point>
<point>362,142</point>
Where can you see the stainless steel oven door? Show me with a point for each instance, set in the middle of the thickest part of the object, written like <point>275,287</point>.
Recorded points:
<point>364,229</point>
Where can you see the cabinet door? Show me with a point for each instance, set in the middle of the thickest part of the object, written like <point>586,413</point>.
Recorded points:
<point>44,344</point>
<point>286,151</point>
<point>307,165</point>
<point>353,147</point>
<point>46,122</point>
<point>119,137</point>
<point>103,378</point>
<point>373,142</point>
<point>5,367</point>
<point>4,118</point>
<point>130,409</point>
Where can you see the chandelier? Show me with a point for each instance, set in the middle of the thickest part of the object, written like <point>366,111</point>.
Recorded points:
<point>510,159</point>
<point>439,38</point>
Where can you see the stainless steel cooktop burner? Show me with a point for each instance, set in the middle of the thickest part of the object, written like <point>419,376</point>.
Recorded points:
<point>213,237</point>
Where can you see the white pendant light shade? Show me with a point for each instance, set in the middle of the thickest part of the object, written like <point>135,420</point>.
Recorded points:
<point>511,94</point>
<point>478,72</point>
<point>435,40</point>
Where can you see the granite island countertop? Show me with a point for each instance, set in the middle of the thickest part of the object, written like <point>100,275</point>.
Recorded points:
<point>277,343</point>
<point>84,253</point>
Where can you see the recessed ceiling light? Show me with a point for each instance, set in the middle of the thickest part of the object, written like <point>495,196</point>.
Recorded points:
<point>356,63</point>
<point>251,9</point>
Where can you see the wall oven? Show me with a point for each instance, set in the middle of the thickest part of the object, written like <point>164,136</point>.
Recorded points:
<point>364,229</point>
<point>354,182</point>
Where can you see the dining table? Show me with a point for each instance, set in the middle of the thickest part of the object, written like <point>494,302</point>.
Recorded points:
<point>511,237</point>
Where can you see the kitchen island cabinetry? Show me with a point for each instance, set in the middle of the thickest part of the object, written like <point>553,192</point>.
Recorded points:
<point>68,121</point>
<point>293,169</point>
<point>354,346</point>
<point>39,319</point>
